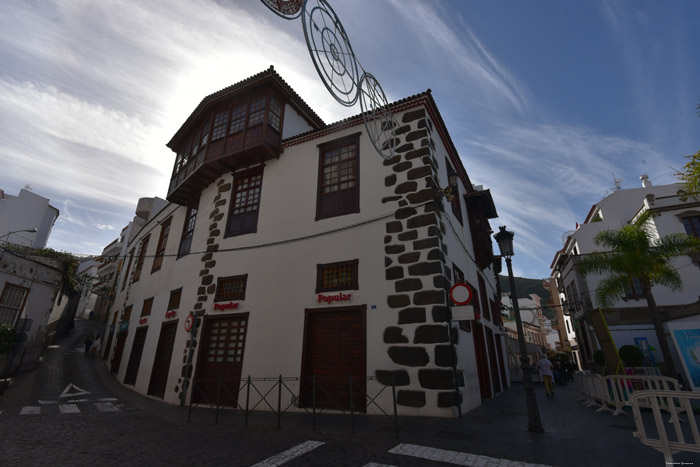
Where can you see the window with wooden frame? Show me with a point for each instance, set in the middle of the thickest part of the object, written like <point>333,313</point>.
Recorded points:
<point>188,229</point>
<point>219,129</point>
<point>634,289</point>
<point>238,114</point>
<point>174,301</point>
<point>274,118</point>
<point>456,203</point>
<point>162,242</point>
<point>128,269</point>
<point>127,313</point>
<point>692,225</point>
<point>141,258</point>
<point>245,202</point>
<point>231,288</point>
<point>256,114</point>
<point>331,277</point>
<point>339,177</point>
<point>11,303</point>
<point>147,307</point>
<point>484,297</point>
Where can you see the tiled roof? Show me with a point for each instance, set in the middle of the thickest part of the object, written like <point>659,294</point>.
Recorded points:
<point>270,75</point>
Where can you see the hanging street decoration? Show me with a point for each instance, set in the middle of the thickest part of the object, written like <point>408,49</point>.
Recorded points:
<point>339,69</point>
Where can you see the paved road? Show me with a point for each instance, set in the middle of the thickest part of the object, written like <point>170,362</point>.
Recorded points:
<point>77,414</point>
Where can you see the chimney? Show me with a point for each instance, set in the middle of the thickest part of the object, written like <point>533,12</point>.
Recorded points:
<point>646,183</point>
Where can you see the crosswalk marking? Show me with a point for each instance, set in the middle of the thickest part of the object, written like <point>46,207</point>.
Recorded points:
<point>107,399</point>
<point>68,408</point>
<point>453,457</point>
<point>78,400</point>
<point>289,454</point>
<point>30,410</point>
<point>374,464</point>
<point>47,402</point>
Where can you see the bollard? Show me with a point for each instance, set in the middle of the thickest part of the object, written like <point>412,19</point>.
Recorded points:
<point>396,416</point>
<point>279,402</point>
<point>218,400</point>
<point>352,409</point>
<point>313,398</point>
<point>247,400</point>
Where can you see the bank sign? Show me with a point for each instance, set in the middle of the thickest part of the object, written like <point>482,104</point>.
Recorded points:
<point>332,298</point>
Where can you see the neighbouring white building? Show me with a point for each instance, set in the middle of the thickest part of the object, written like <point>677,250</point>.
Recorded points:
<point>628,319</point>
<point>302,253</point>
<point>22,213</point>
<point>87,285</point>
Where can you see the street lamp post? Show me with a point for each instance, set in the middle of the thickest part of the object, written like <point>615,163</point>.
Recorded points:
<point>534,423</point>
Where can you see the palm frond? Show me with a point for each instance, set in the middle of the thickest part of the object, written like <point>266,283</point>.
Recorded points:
<point>611,289</point>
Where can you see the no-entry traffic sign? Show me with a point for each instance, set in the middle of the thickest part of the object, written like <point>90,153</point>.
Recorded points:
<point>189,322</point>
<point>461,294</point>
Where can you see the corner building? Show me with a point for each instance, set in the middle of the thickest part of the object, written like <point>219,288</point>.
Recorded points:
<point>303,253</point>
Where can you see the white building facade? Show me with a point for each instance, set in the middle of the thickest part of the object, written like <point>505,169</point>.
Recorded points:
<point>304,254</point>
<point>628,320</point>
<point>22,213</point>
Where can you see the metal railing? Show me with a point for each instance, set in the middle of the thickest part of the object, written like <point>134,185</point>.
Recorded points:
<point>310,395</point>
<point>668,441</point>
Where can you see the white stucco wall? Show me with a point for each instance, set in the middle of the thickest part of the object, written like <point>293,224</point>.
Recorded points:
<point>25,211</point>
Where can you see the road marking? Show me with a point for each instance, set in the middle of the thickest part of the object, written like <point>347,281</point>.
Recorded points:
<point>54,347</point>
<point>30,410</point>
<point>374,464</point>
<point>106,407</point>
<point>76,389</point>
<point>68,408</point>
<point>108,399</point>
<point>47,402</point>
<point>289,454</point>
<point>453,457</point>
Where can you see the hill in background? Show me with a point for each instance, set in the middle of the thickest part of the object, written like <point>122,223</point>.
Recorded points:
<point>525,287</point>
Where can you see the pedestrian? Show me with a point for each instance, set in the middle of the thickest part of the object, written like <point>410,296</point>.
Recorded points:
<point>96,344</point>
<point>545,367</point>
<point>88,342</point>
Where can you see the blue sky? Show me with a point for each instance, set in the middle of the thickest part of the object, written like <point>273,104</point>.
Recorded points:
<point>544,100</point>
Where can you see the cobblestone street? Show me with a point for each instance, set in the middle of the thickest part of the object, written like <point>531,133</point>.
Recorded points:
<point>77,414</point>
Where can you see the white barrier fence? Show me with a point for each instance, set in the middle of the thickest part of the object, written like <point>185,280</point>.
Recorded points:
<point>668,441</point>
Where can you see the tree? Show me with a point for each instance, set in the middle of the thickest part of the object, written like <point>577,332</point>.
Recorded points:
<point>633,252</point>
<point>690,175</point>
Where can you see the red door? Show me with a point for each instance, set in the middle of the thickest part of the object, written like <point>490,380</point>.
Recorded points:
<point>161,362</point>
<point>132,369</point>
<point>481,361</point>
<point>118,351</point>
<point>335,350</point>
<point>492,360</point>
<point>220,356</point>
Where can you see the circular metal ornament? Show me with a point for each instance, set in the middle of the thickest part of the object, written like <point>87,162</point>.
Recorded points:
<point>287,9</point>
<point>377,116</point>
<point>331,51</point>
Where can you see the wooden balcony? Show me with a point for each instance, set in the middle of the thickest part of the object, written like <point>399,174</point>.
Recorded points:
<point>243,149</point>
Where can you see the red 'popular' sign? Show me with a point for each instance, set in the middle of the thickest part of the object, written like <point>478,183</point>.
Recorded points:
<point>339,297</point>
<point>225,306</point>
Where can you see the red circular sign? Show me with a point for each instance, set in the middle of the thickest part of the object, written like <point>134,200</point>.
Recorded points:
<point>457,293</point>
<point>189,322</point>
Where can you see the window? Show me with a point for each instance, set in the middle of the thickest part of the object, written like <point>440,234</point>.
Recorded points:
<point>275,114</point>
<point>141,258</point>
<point>174,302</point>
<point>245,202</point>
<point>231,288</point>
<point>162,241</point>
<point>237,119</point>
<point>127,313</point>
<point>484,298</point>
<point>692,225</point>
<point>147,306</point>
<point>188,230</point>
<point>257,111</point>
<point>11,303</point>
<point>128,268</point>
<point>456,206</point>
<point>634,289</point>
<point>338,180</point>
<point>337,276</point>
<point>219,129</point>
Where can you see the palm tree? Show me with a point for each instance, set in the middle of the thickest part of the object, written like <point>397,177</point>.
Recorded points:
<point>634,252</point>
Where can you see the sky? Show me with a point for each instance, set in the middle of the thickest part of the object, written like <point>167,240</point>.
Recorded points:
<point>545,100</point>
